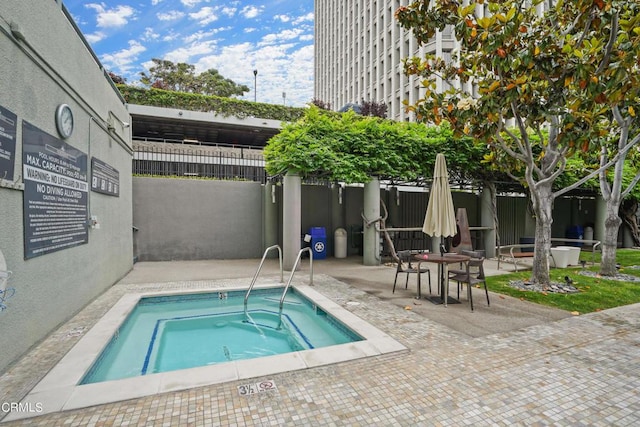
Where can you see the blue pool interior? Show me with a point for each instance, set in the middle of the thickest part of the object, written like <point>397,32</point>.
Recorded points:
<point>166,333</point>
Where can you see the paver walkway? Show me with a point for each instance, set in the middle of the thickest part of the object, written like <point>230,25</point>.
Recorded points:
<point>577,371</point>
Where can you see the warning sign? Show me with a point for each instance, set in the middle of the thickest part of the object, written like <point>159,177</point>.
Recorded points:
<point>55,193</point>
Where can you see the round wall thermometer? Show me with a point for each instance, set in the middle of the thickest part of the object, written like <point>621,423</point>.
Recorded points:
<point>64,120</point>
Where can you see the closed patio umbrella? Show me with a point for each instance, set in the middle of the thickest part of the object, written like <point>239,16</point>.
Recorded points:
<point>440,219</point>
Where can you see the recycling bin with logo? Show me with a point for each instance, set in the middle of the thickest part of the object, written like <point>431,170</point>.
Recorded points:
<point>318,242</point>
<point>575,232</point>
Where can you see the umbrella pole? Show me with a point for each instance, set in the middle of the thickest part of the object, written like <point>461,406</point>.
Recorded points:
<point>443,295</point>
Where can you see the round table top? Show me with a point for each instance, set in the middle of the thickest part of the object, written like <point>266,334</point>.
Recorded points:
<point>448,258</point>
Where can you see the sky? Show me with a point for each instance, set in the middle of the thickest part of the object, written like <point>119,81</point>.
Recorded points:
<point>274,37</point>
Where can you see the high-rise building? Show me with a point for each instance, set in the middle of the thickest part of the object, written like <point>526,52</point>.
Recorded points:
<point>359,50</point>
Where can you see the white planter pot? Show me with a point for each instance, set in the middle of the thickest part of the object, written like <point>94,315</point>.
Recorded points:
<point>574,254</point>
<point>559,257</point>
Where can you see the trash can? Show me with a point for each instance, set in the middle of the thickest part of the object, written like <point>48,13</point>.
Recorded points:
<point>318,242</point>
<point>588,233</point>
<point>340,243</point>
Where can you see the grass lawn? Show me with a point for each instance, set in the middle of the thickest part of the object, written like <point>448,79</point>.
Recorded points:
<point>596,293</point>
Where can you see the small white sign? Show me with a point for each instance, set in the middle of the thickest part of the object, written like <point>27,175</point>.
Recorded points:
<point>247,389</point>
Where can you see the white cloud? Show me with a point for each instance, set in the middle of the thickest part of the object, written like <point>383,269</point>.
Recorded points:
<point>110,18</point>
<point>95,37</point>
<point>283,35</point>
<point>250,12</point>
<point>288,70</point>
<point>122,61</point>
<point>303,18</point>
<point>191,3</point>
<point>281,68</point>
<point>300,76</point>
<point>150,34</point>
<point>232,36</point>
<point>170,36</point>
<point>231,61</point>
<point>204,16</point>
<point>172,15</point>
<point>229,11</point>
<point>185,54</point>
<point>199,35</point>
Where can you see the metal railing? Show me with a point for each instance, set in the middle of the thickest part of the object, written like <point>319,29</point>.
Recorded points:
<point>293,272</point>
<point>286,288</point>
<point>255,277</point>
<point>208,162</point>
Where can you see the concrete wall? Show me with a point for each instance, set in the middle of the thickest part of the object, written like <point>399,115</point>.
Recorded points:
<point>187,219</point>
<point>225,219</point>
<point>570,212</point>
<point>45,63</point>
<point>516,221</point>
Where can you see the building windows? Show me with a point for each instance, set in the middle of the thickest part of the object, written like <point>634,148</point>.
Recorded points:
<point>379,54</point>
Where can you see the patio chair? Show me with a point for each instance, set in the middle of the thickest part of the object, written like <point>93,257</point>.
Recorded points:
<point>462,269</point>
<point>404,261</point>
<point>471,275</point>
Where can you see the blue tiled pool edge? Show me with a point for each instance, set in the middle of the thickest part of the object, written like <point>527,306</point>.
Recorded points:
<point>316,314</point>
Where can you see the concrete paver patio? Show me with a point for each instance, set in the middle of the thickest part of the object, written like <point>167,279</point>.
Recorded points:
<point>510,363</point>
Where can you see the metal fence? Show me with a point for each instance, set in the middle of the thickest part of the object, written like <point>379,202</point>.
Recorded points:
<point>210,162</point>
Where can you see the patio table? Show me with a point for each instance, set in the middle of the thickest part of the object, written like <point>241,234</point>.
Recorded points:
<point>443,261</point>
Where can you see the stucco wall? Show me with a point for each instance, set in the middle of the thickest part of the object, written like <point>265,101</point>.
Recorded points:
<point>186,219</point>
<point>45,64</point>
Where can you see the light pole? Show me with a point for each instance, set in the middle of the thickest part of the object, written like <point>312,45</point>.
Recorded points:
<point>255,85</point>
<point>284,98</point>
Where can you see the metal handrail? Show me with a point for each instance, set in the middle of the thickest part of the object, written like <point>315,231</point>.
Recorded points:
<point>255,277</point>
<point>293,272</point>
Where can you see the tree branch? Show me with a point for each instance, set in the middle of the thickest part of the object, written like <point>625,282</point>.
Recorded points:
<point>609,47</point>
<point>605,188</point>
<point>503,144</point>
<point>632,184</point>
<point>610,163</point>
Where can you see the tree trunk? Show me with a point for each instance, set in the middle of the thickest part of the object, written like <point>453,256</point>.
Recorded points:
<point>494,208</point>
<point>610,242</point>
<point>542,198</point>
<point>628,213</point>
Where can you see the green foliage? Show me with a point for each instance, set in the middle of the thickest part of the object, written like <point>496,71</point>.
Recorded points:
<point>181,77</point>
<point>219,105</point>
<point>569,67</point>
<point>353,148</point>
<point>579,166</point>
<point>628,174</point>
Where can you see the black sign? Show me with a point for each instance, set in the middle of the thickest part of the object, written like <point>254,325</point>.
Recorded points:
<point>104,178</point>
<point>55,193</point>
<point>7,143</point>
